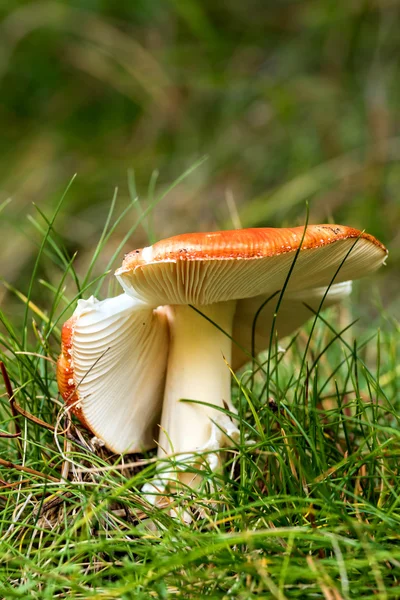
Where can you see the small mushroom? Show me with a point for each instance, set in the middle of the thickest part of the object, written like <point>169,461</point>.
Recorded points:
<point>111,370</point>
<point>294,310</point>
<point>226,276</point>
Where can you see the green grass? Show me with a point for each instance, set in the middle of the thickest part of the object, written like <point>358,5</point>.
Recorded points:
<point>308,503</point>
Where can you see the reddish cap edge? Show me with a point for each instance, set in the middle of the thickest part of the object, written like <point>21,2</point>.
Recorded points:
<point>65,373</point>
<point>340,233</point>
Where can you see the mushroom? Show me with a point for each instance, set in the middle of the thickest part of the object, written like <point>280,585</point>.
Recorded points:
<point>226,276</point>
<point>111,370</point>
<point>185,299</point>
<point>295,309</point>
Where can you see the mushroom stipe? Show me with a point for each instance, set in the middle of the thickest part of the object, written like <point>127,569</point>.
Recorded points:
<point>127,362</point>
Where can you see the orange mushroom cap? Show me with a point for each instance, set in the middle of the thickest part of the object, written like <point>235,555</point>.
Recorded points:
<point>204,268</point>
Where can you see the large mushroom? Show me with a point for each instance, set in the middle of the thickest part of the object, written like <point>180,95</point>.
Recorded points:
<point>226,276</point>
<point>210,286</point>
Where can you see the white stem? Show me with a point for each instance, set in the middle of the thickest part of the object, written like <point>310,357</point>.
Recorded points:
<point>197,370</point>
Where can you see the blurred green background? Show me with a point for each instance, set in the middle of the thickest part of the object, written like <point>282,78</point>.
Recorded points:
<point>290,100</point>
